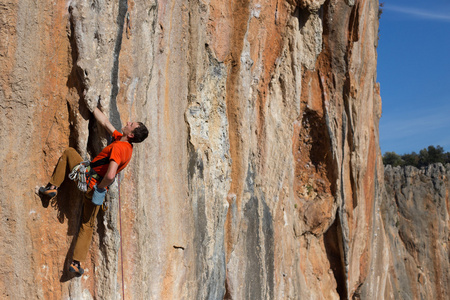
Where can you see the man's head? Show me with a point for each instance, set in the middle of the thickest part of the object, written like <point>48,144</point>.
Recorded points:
<point>135,131</point>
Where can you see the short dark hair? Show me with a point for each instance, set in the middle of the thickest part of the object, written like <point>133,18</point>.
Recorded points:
<point>140,133</point>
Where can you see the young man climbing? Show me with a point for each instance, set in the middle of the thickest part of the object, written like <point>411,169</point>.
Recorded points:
<point>100,174</point>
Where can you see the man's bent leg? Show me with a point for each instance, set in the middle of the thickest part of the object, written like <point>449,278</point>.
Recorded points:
<point>70,158</point>
<point>83,242</point>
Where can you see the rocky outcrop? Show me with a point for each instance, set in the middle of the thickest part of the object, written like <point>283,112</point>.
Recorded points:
<point>262,176</point>
<point>416,214</point>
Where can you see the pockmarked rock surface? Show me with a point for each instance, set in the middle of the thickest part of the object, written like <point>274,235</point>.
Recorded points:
<point>416,212</point>
<point>261,177</point>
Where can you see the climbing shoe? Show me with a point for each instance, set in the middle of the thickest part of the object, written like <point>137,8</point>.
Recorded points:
<point>48,191</point>
<point>76,268</point>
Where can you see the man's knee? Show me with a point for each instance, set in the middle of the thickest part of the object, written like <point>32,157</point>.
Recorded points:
<point>70,151</point>
<point>72,156</point>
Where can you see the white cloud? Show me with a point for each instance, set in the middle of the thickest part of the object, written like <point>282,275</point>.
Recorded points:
<point>409,124</point>
<point>413,130</point>
<point>419,13</point>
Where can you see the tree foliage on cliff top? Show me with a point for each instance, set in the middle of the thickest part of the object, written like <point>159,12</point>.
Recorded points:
<point>425,157</point>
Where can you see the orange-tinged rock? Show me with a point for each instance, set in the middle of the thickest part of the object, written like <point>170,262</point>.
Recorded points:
<point>261,177</point>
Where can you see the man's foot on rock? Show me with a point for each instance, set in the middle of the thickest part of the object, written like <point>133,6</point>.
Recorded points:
<point>49,191</point>
<point>75,267</point>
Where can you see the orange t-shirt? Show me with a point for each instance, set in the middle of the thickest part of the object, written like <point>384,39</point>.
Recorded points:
<point>118,151</point>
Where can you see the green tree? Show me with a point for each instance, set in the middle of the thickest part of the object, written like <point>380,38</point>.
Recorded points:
<point>447,158</point>
<point>392,158</point>
<point>426,156</point>
<point>431,155</point>
<point>411,159</point>
<point>436,155</point>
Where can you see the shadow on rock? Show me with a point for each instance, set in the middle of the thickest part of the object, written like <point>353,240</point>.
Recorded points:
<point>68,204</point>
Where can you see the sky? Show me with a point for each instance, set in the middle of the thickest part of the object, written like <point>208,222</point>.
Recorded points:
<point>414,75</point>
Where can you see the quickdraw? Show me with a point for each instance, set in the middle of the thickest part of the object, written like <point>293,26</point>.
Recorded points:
<point>79,174</point>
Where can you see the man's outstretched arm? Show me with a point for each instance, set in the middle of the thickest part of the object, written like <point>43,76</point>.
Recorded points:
<point>103,120</point>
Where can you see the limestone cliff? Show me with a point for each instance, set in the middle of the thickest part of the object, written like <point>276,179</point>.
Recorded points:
<point>416,212</point>
<point>262,175</point>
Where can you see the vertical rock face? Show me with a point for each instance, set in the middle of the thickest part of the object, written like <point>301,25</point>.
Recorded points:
<point>261,177</point>
<point>416,212</point>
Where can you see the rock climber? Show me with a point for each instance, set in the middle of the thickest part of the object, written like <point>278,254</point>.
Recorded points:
<point>100,174</point>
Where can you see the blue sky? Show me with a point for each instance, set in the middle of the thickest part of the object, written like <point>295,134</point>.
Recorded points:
<point>414,74</point>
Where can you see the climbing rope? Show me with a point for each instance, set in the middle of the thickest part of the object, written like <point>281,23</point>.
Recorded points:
<point>120,228</point>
